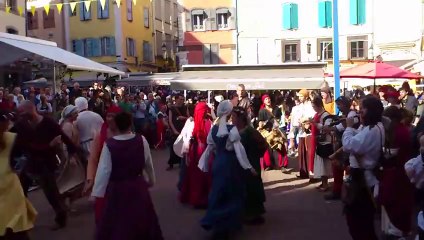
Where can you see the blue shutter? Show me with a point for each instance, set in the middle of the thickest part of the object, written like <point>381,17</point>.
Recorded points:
<point>112,47</point>
<point>294,16</point>
<point>322,20</point>
<point>286,16</point>
<point>329,14</point>
<point>88,13</point>
<point>97,50</point>
<point>106,11</point>
<point>82,11</point>
<point>88,47</point>
<point>354,12</point>
<point>361,11</point>
<point>99,10</point>
<point>79,47</point>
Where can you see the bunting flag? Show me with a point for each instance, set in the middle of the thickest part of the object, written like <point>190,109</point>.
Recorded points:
<point>73,5</point>
<point>20,11</point>
<point>8,9</point>
<point>47,9</point>
<point>118,3</point>
<point>103,3</point>
<point>59,7</point>
<point>33,10</point>
<point>87,5</point>
<point>135,2</point>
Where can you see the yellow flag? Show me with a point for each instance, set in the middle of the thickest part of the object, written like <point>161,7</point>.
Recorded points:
<point>73,6</point>
<point>20,11</point>
<point>47,9</point>
<point>103,3</point>
<point>135,2</point>
<point>8,9</point>
<point>87,5</point>
<point>118,3</point>
<point>33,10</point>
<point>59,7</point>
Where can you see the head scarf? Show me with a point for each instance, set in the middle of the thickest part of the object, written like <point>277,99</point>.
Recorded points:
<point>224,109</point>
<point>81,103</point>
<point>265,96</point>
<point>67,112</point>
<point>199,131</point>
<point>304,93</point>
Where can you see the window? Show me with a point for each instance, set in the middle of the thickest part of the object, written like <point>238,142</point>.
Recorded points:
<point>146,18</point>
<point>85,14</point>
<point>357,49</point>
<point>48,20</point>
<point>211,53</point>
<point>108,46</point>
<point>78,47</point>
<point>102,14</point>
<point>357,12</point>
<point>88,47</point>
<point>326,48</point>
<point>325,14</point>
<point>32,20</point>
<point>290,16</point>
<point>131,47</point>
<point>129,10</point>
<point>198,18</point>
<point>12,30</point>
<point>222,16</point>
<point>291,52</point>
<point>12,4</point>
<point>147,52</point>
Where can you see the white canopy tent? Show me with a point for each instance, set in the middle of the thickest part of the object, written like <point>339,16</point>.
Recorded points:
<point>14,48</point>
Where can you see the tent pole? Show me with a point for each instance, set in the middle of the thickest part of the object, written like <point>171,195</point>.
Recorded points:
<point>209,96</point>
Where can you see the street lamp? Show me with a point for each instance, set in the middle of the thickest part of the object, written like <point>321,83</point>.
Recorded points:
<point>308,47</point>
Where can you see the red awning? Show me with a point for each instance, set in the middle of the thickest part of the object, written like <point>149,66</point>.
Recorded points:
<point>374,70</point>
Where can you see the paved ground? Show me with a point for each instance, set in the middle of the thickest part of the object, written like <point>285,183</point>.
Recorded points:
<point>295,211</point>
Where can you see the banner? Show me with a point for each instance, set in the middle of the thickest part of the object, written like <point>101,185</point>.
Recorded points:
<point>103,3</point>
<point>33,10</point>
<point>118,3</point>
<point>135,2</point>
<point>87,5</point>
<point>73,5</point>
<point>47,9</point>
<point>59,7</point>
<point>20,11</point>
<point>8,9</point>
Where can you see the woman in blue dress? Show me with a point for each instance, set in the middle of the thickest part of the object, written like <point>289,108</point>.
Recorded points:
<point>227,196</point>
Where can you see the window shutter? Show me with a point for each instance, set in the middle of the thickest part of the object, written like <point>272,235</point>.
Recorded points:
<point>208,26</point>
<point>294,14</point>
<point>232,20</point>
<point>212,19</point>
<point>361,11</point>
<point>99,10</point>
<point>112,47</point>
<point>106,11</point>
<point>354,12</point>
<point>322,14</point>
<point>79,47</point>
<point>329,14</point>
<point>128,47</point>
<point>88,47</point>
<point>82,10</point>
<point>97,50</point>
<point>189,24</point>
<point>286,16</point>
<point>207,54</point>
<point>88,12</point>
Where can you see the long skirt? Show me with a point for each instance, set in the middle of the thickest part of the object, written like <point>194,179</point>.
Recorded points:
<point>128,212</point>
<point>303,156</point>
<point>322,167</point>
<point>255,196</point>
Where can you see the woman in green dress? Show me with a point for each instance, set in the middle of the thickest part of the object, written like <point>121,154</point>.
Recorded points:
<point>255,146</point>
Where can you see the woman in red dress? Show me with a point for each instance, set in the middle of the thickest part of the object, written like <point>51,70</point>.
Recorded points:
<point>196,184</point>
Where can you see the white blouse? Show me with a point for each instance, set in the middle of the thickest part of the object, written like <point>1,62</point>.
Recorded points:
<point>233,144</point>
<point>415,170</point>
<point>105,167</point>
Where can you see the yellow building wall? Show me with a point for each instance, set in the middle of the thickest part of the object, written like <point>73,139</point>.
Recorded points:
<point>94,28</point>
<point>135,29</point>
<point>13,19</point>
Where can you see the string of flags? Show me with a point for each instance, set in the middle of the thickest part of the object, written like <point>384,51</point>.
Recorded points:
<point>59,6</point>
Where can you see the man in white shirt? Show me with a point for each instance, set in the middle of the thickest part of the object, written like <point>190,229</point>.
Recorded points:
<point>88,123</point>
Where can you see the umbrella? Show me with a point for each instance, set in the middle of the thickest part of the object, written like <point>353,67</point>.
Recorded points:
<point>374,70</point>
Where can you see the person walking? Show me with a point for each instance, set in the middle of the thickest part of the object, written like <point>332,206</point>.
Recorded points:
<point>124,162</point>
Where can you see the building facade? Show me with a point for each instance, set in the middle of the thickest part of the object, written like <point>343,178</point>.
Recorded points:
<point>11,19</point>
<point>45,26</point>
<point>301,30</point>
<point>118,36</point>
<point>208,32</point>
<point>166,33</point>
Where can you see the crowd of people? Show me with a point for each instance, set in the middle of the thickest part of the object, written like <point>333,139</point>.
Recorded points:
<point>96,142</point>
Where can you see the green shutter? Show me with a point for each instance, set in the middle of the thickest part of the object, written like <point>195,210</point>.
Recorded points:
<point>361,11</point>
<point>112,46</point>
<point>354,12</point>
<point>329,14</point>
<point>79,47</point>
<point>321,14</point>
<point>286,16</point>
<point>294,12</point>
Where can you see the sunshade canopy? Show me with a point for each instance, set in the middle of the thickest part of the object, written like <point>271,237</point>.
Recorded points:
<point>375,70</point>
<point>14,48</point>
